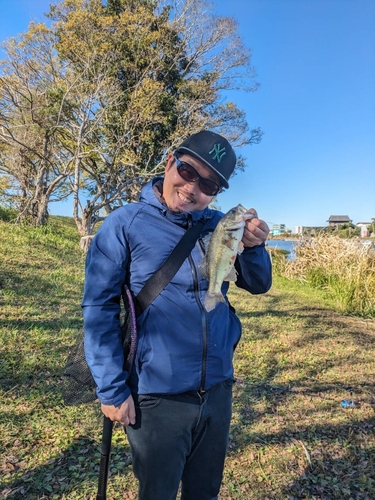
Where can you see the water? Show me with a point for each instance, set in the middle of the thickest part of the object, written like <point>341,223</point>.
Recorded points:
<point>284,245</point>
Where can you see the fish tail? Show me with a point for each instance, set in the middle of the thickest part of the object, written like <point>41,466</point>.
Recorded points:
<point>212,299</point>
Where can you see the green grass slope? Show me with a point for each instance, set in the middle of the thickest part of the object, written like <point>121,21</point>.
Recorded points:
<point>290,437</point>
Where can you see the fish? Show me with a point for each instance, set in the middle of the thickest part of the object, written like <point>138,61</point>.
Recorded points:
<point>224,245</point>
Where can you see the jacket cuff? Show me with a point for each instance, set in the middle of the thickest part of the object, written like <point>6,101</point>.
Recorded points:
<point>255,246</point>
<point>118,400</point>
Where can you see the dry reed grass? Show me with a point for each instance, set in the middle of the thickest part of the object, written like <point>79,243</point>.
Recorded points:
<point>343,267</point>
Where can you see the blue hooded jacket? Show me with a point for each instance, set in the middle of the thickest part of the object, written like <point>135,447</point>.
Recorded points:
<point>181,347</point>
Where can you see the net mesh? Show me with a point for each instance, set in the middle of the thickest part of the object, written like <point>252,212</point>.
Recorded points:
<point>78,385</point>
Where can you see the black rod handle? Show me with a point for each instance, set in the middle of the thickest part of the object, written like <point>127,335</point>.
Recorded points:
<point>105,453</point>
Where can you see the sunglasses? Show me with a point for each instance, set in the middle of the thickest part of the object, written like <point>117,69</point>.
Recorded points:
<point>189,174</point>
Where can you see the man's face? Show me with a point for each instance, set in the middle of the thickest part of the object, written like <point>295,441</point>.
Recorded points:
<point>181,195</point>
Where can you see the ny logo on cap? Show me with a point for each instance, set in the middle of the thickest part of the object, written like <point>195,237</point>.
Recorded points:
<point>219,152</point>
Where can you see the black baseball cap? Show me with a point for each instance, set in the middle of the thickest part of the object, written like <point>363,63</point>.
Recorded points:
<point>214,151</point>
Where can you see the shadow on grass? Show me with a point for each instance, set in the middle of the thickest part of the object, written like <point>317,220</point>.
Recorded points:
<point>345,471</point>
<point>331,461</point>
<point>73,473</point>
<point>24,365</point>
<point>345,478</point>
<point>312,448</point>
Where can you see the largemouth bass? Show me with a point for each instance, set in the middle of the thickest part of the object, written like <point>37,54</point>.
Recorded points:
<point>224,245</point>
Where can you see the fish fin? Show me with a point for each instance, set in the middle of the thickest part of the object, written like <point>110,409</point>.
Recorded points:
<point>203,268</point>
<point>212,300</point>
<point>240,247</point>
<point>232,275</point>
<point>206,239</point>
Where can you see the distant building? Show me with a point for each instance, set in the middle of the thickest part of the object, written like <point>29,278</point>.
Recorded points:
<point>336,220</point>
<point>308,229</point>
<point>365,233</point>
<point>277,229</point>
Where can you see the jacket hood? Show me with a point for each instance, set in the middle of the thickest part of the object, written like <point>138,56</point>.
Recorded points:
<point>148,196</point>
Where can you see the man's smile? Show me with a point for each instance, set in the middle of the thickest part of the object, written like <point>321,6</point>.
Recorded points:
<point>183,198</point>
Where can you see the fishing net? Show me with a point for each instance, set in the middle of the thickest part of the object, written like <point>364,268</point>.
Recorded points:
<point>78,385</point>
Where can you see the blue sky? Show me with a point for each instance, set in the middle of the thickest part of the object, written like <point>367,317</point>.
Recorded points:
<point>315,62</point>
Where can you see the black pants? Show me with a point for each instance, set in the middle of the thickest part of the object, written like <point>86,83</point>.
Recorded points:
<point>181,438</point>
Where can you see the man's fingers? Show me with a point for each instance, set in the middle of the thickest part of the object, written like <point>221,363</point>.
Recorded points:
<point>125,421</point>
<point>132,412</point>
<point>253,232</point>
<point>124,414</point>
<point>256,226</point>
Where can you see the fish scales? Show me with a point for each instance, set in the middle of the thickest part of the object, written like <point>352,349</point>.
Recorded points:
<point>224,246</point>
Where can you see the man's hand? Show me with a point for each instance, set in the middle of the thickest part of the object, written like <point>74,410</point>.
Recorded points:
<point>125,413</point>
<point>256,230</point>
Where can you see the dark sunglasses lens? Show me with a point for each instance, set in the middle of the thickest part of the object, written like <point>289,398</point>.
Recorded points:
<point>208,187</point>
<point>187,172</point>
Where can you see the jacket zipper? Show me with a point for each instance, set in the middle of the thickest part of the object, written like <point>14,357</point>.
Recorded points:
<point>201,389</point>
<point>204,324</point>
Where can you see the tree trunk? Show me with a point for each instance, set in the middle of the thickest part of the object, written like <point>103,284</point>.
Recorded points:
<point>42,211</point>
<point>85,243</point>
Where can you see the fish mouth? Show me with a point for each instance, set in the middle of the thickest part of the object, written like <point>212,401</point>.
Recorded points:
<point>242,211</point>
<point>248,216</point>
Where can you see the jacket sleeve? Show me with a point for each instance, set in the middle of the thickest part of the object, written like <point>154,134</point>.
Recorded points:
<point>106,264</point>
<point>254,270</point>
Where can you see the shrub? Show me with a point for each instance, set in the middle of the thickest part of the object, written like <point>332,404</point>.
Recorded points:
<point>7,214</point>
<point>278,257</point>
<point>345,268</point>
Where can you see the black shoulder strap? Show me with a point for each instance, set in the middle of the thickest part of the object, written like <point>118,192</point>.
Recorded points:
<point>168,269</point>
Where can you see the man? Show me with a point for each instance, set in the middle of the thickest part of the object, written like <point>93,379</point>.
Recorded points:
<point>176,402</point>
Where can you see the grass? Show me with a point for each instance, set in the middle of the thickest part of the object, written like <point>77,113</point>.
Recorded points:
<point>290,437</point>
<point>345,268</point>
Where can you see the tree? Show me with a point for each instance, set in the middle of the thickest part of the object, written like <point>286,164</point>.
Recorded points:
<point>116,121</point>
<point>162,68</point>
<point>5,188</point>
<point>31,123</point>
<point>94,104</point>
<point>348,230</point>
